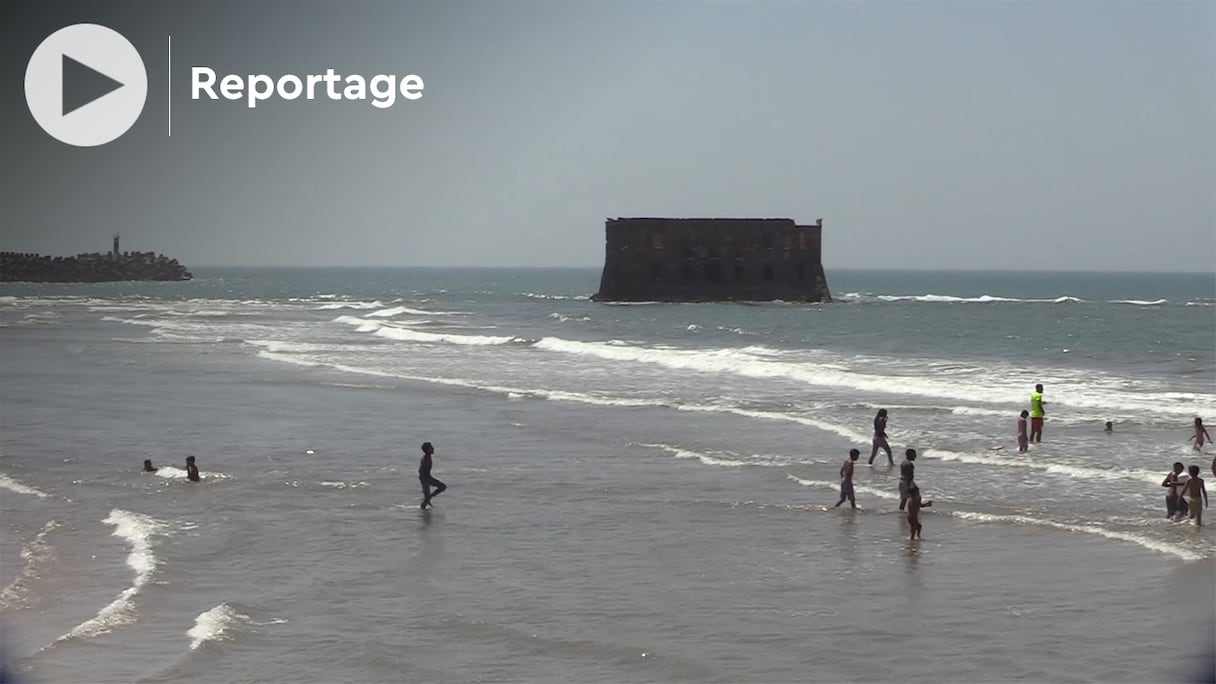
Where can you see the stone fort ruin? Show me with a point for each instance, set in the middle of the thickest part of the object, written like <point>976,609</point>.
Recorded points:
<point>712,259</point>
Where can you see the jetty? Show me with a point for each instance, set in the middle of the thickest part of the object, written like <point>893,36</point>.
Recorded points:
<point>712,260</point>
<point>97,267</point>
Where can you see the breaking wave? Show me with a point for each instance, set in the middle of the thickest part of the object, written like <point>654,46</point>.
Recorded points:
<point>137,530</point>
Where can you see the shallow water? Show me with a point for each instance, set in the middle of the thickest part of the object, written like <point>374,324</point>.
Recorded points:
<point>637,493</point>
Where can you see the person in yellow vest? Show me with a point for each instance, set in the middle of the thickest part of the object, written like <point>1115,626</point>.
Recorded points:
<point>1036,414</point>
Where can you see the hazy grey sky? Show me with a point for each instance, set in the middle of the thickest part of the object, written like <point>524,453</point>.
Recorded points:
<point>1019,135</point>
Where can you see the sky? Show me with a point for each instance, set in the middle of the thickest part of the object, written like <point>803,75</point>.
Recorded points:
<point>926,135</point>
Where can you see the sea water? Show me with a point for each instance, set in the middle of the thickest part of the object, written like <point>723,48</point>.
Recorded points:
<point>637,492</point>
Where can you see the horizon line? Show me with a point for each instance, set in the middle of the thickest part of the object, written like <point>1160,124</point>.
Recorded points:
<point>599,267</point>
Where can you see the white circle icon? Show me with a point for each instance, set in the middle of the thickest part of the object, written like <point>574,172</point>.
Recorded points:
<point>86,85</point>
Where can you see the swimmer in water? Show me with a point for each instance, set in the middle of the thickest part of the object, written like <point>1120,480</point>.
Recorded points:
<point>1200,433</point>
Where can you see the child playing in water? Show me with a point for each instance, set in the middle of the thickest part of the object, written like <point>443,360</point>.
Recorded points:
<point>1194,488</point>
<point>914,505</point>
<point>1200,433</point>
<point>1023,442</point>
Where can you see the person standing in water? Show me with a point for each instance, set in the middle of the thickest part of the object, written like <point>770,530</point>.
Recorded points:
<point>1173,495</point>
<point>1036,414</point>
<point>191,470</point>
<point>148,467</point>
<point>424,476</point>
<point>914,505</point>
<point>1194,488</point>
<point>880,437</point>
<point>1200,433</point>
<point>1023,441</point>
<point>846,479</point>
<point>906,471</point>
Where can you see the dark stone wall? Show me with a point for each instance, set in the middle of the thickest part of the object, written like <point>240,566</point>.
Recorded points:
<point>89,268</point>
<point>698,260</point>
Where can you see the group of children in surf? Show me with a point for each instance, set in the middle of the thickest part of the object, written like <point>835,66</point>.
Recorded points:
<point>909,492</point>
<point>1187,494</point>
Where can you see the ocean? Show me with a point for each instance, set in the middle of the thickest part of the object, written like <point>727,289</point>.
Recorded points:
<point>637,493</point>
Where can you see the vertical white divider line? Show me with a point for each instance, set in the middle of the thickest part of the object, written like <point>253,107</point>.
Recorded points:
<point>170,95</point>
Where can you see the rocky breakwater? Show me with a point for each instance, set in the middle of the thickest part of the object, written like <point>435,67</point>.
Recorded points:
<point>89,268</point>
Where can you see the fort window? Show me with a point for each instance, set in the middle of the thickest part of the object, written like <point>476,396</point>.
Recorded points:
<point>713,252</point>
<point>767,240</point>
<point>789,241</point>
<point>713,271</point>
<point>768,273</point>
<point>656,241</point>
<point>738,271</point>
<point>802,240</point>
<point>736,252</point>
<point>656,271</point>
<point>801,271</point>
<point>688,253</point>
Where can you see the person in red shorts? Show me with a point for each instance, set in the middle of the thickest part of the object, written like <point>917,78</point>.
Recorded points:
<point>1036,414</point>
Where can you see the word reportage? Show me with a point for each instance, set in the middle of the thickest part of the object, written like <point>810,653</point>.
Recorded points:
<point>256,88</point>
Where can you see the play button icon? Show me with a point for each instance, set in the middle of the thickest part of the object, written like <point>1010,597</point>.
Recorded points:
<point>86,85</point>
<point>82,85</point>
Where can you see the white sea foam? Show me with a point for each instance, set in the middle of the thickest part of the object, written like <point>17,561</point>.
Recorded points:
<point>139,531</point>
<point>952,299</point>
<point>858,488</point>
<point>351,305</point>
<point>172,472</point>
<point>361,324</point>
<point>445,338</point>
<point>1146,542</point>
<point>284,347</point>
<point>755,361</point>
<point>534,295</point>
<point>719,459</point>
<point>344,485</point>
<point>581,398</point>
<point>563,319</point>
<point>847,433</point>
<point>36,554</point>
<point>135,321</point>
<point>214,625</point>
<point>987,385</point>
<point>12,485</point>
<point>398,310</point>
<point>1070,471</point>
<point>200,313</point>
<point>737,331</point>
<point>1140,302</point>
